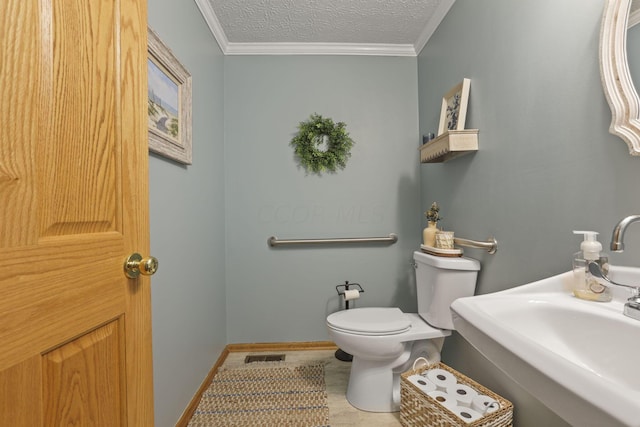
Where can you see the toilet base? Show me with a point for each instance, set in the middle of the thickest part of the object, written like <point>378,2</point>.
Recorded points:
<point>371,386</point>
<point>374,386</point>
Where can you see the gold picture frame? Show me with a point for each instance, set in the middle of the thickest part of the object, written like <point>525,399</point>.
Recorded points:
<point>169,103</point>
<point>454,108</point>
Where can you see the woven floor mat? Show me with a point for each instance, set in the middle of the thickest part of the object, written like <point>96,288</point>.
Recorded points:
<point>265,394</point>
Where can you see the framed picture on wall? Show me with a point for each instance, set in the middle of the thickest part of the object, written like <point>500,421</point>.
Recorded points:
<point>169,103</point>
<point>454,108</point>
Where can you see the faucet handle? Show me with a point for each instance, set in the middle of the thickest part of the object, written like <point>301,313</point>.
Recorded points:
<point>632,307</point>
<point>596,271</point>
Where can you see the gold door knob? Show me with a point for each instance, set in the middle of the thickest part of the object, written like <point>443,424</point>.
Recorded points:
<point>135,265</point>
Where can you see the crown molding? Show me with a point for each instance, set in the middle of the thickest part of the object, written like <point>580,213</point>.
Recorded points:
<point>214,25</point>
<point>320,49</point>
<point>371,49</point>
<point>433,24</point>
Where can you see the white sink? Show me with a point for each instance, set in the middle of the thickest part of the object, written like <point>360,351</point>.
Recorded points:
<point>579,358</point>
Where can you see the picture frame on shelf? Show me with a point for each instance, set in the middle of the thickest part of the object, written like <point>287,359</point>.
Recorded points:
<point>169,103</point>
<point>453,114</point>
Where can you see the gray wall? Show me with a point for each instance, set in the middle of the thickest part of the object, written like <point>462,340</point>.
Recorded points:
<point>546,163</point>
<point>285,294</point>
<point>187,223</point>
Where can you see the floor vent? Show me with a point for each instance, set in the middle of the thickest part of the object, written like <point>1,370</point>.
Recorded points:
<point>264,358</point>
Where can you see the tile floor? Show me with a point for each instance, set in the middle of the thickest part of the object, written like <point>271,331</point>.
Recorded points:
<point>341,413</point>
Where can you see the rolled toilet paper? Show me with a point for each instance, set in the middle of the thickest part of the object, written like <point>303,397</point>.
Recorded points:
<point>422,383</point>
<point>468,415</point>
<point>485,404</point>
<point>350,294</point>
<point>463,394</point>
<point>444,398</point>
<point>441,378</point>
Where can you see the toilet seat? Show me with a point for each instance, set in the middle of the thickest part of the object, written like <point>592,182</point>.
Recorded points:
<point>372,321</point>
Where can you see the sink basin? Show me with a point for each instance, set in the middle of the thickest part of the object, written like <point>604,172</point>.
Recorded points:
<point>579,358</point>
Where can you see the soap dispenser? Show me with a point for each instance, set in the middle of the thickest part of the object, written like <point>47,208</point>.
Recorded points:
<point>585,286</point>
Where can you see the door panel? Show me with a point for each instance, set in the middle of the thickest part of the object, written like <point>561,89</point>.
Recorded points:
<point>89,386</point>
<point>75,336</point>
<point>80,196</point>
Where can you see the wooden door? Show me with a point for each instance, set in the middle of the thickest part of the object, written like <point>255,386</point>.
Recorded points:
<point>75,336</point>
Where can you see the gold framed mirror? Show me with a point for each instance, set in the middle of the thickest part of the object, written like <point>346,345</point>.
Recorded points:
<point>617,82</point>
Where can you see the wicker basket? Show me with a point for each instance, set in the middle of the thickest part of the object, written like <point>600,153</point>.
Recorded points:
<point>419,410</point>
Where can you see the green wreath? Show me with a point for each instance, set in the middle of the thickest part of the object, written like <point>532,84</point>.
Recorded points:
<point>311,136</point>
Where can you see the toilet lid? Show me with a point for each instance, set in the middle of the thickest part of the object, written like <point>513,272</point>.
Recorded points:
<point>371,321</point>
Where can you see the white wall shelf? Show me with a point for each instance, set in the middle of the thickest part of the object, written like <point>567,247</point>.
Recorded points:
<point>449,145</point>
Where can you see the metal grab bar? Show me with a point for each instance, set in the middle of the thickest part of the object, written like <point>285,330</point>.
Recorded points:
<point>491,245</point>
<point>391,239</point>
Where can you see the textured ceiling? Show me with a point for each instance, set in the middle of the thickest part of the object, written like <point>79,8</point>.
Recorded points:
<point>354,22</point>
<point>323,21</point>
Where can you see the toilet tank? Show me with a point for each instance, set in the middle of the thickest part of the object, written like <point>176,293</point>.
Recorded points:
<point>440,281</point>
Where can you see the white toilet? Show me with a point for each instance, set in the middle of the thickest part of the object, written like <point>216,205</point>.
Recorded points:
<point>385,342</point>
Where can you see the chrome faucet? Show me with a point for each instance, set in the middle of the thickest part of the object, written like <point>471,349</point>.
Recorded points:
<point>617,237</point>
<point>632,306</point>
